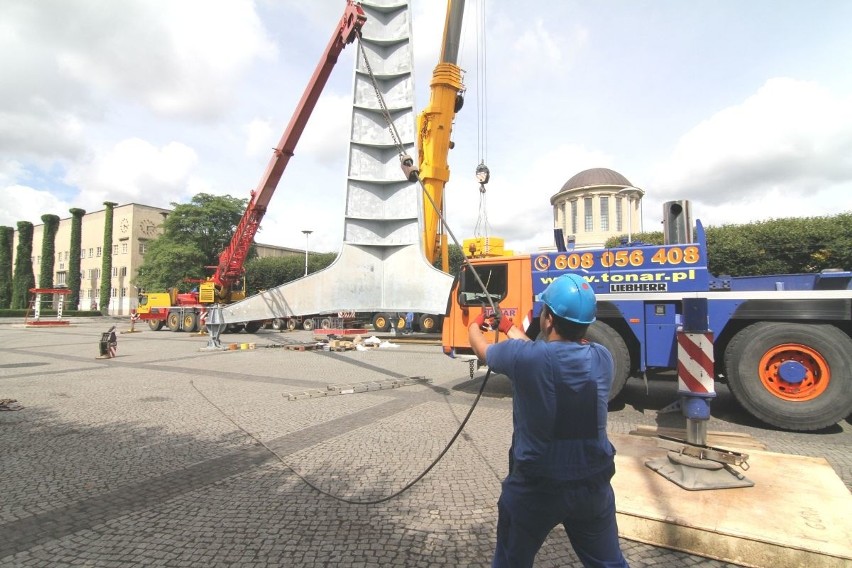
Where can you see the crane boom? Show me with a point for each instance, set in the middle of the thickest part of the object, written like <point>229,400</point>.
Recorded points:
<point>232,259</point>
<point>434,127</point>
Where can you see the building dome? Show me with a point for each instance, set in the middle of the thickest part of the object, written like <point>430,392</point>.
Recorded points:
<point>594,177</point>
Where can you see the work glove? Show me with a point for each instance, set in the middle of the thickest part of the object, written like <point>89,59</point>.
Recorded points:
<point>480,321</point>
<point>503,323</point>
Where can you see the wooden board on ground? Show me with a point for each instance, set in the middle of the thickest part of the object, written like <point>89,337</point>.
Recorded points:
<point>797,513</point>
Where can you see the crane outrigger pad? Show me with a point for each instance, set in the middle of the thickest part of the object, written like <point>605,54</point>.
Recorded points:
<point>797,513</point>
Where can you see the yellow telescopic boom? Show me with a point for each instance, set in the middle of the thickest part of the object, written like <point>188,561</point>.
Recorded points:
<point>434,127</point>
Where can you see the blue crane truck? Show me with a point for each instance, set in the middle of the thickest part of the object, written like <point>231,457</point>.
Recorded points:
<point>783,343</point>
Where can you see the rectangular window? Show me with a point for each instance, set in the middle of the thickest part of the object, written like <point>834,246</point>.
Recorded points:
<point>143,247</point>
<point>604,213</point>
<point>494,276</point>
<point>91,252</point>
<point>82,253</point>
<point>573,216</point>
<point>123,292</point>
<point>94,273</point>
<point>122,271</point>
<point>112,292</point>
<point>114,249</point>
<point>123,248</point>
<point>98,252</point>
<point>114,271</point>
<point>60,278</point>
<point>619,213</point>
<point>587,205</point>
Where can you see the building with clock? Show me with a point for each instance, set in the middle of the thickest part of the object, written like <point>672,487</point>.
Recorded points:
<point>134,226</point>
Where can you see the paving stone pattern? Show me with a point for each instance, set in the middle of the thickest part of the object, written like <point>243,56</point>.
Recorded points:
<point>133,461</point>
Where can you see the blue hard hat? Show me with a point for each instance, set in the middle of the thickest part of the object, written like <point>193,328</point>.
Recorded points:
<point>570,297</point>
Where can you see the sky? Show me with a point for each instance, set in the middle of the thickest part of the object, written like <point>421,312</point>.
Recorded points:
<point>743,108</point>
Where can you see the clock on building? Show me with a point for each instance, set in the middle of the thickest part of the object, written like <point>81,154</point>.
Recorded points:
<point>124,225</point>
<point>147,227</point>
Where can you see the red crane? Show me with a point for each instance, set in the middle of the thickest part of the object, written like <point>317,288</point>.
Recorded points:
<point>230,269</point>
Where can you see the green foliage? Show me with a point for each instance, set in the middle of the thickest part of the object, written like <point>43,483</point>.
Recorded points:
<point>23,279</point>
<point>776,246</point>
<point>781,246</point>
<point>168,264</point>
<point>106,258</point>
<point>268,272</point>
<point>652,238</point>
<point>74,261</point>
<point>207,221</point>
<point>7,236</point>
<point>48,250</point>
<point>194,234</point>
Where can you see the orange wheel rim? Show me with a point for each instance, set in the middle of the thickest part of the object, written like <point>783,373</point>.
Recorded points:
<point>794,372</point>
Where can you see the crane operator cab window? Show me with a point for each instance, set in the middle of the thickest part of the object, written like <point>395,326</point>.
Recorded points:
<point>495,278</point>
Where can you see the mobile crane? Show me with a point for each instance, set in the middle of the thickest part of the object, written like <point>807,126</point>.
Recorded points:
<point>183,312</point>
<point>782,342</point>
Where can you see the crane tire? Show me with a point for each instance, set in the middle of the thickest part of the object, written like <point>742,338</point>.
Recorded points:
<point>253,326</point>
<point>600,332</point>
<point>818,356</point>
<point>381,322</point>
<point>155,325</point>
<point>173,321</point>
<point>189,322</point>
<point>429,323</point>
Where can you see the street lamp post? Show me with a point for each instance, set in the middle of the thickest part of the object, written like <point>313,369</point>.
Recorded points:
<point>307,235</point>
<point>630,191</point>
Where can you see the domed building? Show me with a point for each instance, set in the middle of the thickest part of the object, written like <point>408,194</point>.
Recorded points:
<point>595,205</point>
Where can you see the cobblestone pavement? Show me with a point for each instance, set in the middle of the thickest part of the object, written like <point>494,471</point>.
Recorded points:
<point>144,460</point>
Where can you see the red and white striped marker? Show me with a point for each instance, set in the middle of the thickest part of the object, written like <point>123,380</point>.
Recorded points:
<point>695,363</point>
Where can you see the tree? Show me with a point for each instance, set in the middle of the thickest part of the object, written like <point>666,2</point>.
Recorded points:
<point>106,262</point>
<point>74,262</point>
<point>24,279</point>
<point>193,236</point>
<point>169,264</point>
<point>48,250</point>
<point>207,221</point>
<point>7,236</point>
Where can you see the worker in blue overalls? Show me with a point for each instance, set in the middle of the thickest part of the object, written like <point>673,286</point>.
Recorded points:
<point>561,460</point>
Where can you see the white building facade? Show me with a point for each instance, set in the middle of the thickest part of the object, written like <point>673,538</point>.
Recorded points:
<point>597,204</point>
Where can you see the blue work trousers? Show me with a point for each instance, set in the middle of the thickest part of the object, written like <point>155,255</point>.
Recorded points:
<point>530,508</point>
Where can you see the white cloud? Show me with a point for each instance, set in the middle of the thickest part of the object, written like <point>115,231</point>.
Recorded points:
<point>771,155</point>
<point>518,201</point>
<point>135,171</point>
<point>24,203</point>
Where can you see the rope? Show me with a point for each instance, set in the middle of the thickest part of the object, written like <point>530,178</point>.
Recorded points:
<point>307,482</point>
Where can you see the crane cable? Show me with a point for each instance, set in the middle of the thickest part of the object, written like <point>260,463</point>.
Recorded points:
<point>403,156</point>
<point>483,174</point>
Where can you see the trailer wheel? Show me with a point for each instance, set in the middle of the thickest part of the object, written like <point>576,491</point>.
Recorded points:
<point>155,325</point>
<point>253,326</point>
<point>277,324</point>
<point>791,375</point>
<point>173,321</point>
<point>308,324</point>
<point>325,323</point>
<point>291,324</point>
<point>429,323</point>
<point>381,322</point>
<point>602,333</point>
<point>190,322</point>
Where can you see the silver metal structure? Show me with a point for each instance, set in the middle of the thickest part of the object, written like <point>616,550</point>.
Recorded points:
<point>381,266</point>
